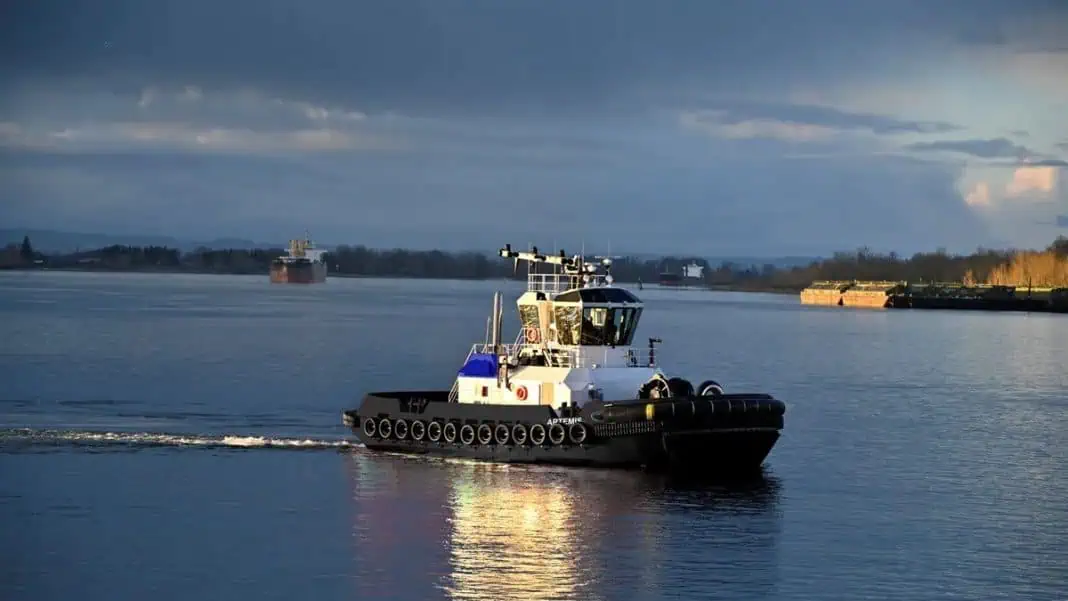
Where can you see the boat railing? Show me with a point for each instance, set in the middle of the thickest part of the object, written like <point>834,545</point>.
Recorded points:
<point>575,356</point>
<point>482,348</point>
<point>554,283</point>
<point>603,356</point>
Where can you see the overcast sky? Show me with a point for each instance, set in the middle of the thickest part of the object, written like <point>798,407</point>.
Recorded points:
<point>713,127</point>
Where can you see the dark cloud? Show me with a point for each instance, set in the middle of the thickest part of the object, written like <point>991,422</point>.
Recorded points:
<point>738,112</point>
<point>1038,26</point>
<point>1062,221</point>
<point>725,203</point>
<point>476,56</point>
<point>503,109</point>
<point>1045,163</point>
<point>983,34</point>
<point>986,149</point>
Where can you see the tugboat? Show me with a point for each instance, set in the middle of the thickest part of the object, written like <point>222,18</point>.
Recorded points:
<point>572,390</point>
<point>304,264</point>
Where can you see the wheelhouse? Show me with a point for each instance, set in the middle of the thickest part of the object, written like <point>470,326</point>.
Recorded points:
<point>595,317</point>
<point>574,324</point>
<point>596,314</point>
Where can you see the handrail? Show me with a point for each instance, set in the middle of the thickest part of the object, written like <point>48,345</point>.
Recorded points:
<point>454,392</point>
<point>554,283</point>
<point>574,355</point>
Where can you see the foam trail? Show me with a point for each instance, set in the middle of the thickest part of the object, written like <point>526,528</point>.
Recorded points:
<point>24,437</point>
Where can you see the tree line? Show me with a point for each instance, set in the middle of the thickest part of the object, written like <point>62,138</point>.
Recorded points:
<point>1038,268</point>
<point>1048,267</point>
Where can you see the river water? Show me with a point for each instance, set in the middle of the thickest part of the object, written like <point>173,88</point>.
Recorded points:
<point>177,437</point>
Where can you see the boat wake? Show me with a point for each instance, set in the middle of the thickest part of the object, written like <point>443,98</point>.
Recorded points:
<point>29,438</point>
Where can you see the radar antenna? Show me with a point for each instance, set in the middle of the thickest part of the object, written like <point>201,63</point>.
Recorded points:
<point>575,266</point>
<point>535,257</point>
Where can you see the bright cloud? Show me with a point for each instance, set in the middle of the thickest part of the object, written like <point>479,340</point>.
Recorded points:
<point>192,102</point>
<point>188,119</point>
<point>1041,181</point>
<point>130,136</point>
<point>716,124</point>
<point>736,120</point>
<point>1022,205</point>
<point>978,196</point>
<point>1008,187</point>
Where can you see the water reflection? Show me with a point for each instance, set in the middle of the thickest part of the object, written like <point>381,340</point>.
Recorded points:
<point>401,526</point>
<point>513,537</point>
<point>429,528</point>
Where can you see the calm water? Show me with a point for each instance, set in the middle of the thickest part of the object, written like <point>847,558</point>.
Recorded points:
<point>177,437</point>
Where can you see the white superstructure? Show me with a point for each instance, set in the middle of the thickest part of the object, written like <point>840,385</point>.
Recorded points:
<point>576,341</point>
<point>303,250</point>
<point>693,270</point>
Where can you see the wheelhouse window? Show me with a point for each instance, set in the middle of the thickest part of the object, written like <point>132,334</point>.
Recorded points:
<point>568,323</point>
<point>528,316</point>
<point>627,325</point>
<point>609,326</point>
<point>596,326</point>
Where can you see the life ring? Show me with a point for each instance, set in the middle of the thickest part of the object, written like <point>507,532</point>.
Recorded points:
<point>531,334</point>
<point>521,393</point>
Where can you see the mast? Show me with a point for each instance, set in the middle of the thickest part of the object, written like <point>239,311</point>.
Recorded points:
<point>576,267</point>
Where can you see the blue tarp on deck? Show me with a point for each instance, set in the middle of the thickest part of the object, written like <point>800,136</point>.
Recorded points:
<point>480,365</point>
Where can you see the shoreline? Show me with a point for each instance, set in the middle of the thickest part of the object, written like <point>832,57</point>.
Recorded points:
<point>705,288</point>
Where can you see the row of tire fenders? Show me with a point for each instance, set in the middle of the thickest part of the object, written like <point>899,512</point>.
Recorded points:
<point>434,431</point>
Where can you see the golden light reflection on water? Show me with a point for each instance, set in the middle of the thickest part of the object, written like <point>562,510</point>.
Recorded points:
<point>512,539</point>
<point>427,528</point>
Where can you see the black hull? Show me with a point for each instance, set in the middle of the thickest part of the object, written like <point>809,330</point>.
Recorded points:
<point>978,304</point>
<point>729,434</point>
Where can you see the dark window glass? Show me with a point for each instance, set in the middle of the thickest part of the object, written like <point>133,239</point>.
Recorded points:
<point>568,320</point>
<point>598,295</point>
<point>528,316</point>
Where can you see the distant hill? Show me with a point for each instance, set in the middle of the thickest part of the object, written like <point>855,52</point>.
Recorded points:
<point>779,262</point>
<point>53,241</point>
<point>740,261</point>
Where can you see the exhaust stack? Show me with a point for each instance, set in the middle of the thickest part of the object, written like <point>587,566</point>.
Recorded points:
<point>496,317</point>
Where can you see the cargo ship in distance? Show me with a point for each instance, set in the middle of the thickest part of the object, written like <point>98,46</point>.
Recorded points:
<point>571,390</point>
<point>303,264</point>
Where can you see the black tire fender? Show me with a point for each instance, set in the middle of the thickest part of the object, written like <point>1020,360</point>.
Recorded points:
<point>710,388</point>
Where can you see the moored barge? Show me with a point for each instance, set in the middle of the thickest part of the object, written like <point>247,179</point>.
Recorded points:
<point>936,295</point>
